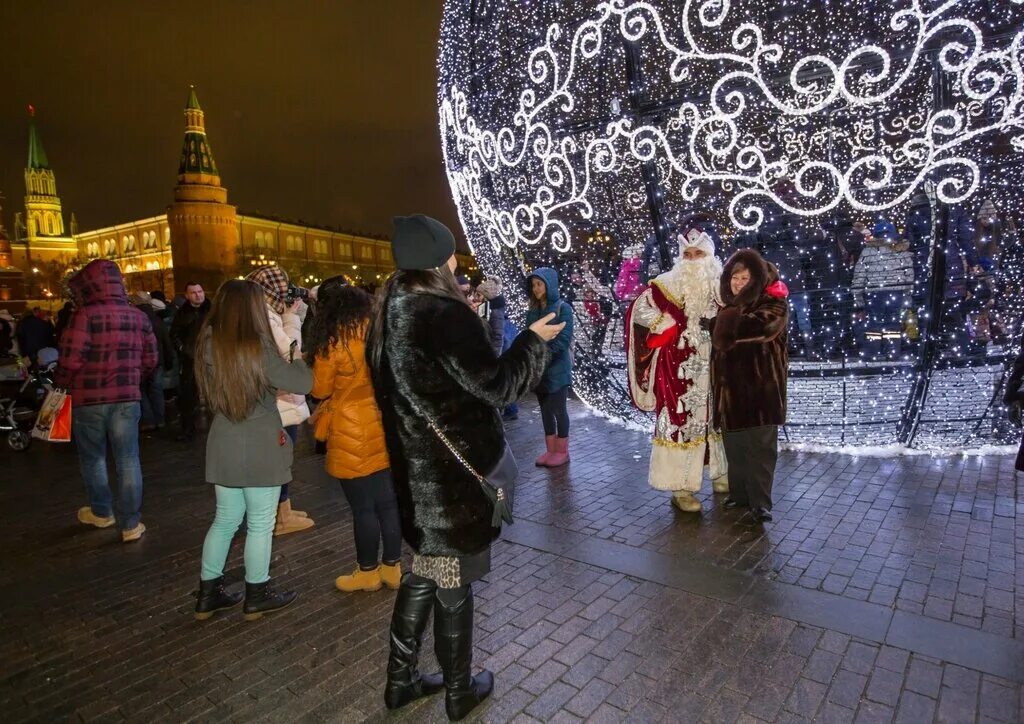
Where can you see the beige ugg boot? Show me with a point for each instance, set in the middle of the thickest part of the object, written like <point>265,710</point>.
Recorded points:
<point>288,522</point>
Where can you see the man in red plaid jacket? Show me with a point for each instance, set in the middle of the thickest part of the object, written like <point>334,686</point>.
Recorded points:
<point>106,351</point>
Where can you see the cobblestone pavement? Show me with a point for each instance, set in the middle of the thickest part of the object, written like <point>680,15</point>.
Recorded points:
<point>885,590</point>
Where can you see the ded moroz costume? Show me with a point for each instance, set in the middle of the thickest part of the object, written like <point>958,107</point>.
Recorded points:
<point>669,356</point>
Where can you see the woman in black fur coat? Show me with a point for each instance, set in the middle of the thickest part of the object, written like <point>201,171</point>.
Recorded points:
<point>432,361</point>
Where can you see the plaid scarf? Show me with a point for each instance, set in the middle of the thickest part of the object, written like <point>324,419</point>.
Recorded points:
<point>274,282</point>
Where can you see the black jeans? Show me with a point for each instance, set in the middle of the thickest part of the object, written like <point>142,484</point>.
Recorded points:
<point>188,397</point>
<point>553,412</point>
<point>374,517</point>
<point>751,455</point>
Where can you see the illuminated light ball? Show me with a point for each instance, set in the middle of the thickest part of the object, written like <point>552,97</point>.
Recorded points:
<point>577,133</point>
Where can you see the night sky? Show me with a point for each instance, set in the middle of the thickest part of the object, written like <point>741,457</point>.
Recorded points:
<point>321,111</point>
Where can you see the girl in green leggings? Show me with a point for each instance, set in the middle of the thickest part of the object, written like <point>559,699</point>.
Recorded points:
<point>248,453</point>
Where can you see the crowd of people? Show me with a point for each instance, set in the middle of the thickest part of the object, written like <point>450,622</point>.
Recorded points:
<point>409,390</point>
<point>859,287</point>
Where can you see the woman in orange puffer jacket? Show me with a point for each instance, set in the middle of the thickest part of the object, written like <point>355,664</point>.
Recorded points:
<point>349,421</point>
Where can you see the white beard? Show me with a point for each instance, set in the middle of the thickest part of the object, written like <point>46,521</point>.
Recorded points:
<point>696,284</point>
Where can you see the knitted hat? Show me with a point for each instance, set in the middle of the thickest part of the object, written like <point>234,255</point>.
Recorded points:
<point>139,298</point>
<point>988,210</point>
<point>884,229</point>
<point>420,242</point>
<point>489,288</point>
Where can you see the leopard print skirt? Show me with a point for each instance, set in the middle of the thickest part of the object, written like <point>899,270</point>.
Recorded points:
<point>453,571</point>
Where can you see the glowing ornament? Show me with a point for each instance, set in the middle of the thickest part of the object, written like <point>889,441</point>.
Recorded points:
<point>573,129</point>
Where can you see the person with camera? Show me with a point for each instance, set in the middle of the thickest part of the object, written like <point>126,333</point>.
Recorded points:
<point>286,308</point>
<point>439,386</point>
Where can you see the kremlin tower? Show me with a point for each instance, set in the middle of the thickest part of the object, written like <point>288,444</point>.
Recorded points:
<point>44,239</point>
<point>203,226</point>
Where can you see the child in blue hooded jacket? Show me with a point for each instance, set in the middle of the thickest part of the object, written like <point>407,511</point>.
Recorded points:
<point>553,391</point>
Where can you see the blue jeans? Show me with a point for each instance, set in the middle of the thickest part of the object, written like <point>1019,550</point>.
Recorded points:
<point>92,427</point>
<point>259,507</point>
<point>153,399</point>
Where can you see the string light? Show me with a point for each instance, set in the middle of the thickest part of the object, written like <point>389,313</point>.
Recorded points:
<point>580,139</point>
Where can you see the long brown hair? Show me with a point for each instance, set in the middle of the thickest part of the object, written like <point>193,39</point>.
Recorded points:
<point>439,282</point>
<point>229,355</point>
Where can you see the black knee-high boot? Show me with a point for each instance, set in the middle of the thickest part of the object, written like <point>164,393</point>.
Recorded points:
<point>408,622</point>
<point>453,644</point>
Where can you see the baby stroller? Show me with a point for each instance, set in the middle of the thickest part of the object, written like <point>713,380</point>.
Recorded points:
<point>22,391</point>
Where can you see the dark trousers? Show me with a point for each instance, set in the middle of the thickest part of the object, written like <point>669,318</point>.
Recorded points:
<point>188,397</point>
<point>293,433</point>
<point>153,398</point>
<point>374,517</point>
<point>553,412</point>
<point>751,455</point>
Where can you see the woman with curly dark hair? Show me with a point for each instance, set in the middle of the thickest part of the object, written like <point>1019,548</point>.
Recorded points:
<point>349,421</point>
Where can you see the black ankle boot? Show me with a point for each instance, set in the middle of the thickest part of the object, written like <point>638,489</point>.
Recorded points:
<point>408,622</point>
<point>212,598</point>
<point>261,598</point>
<point>453,644</point>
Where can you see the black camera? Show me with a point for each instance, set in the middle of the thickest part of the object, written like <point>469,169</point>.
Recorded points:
<point>294,293</point>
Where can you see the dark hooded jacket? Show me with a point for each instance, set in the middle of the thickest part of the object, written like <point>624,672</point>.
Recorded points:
<point>108,346</point>
<point>749,361</point>
<point>438,365</point>
<point>559,370</point>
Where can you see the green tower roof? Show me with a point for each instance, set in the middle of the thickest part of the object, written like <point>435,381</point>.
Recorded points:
<point>36,154</point>
<point>196,156</point>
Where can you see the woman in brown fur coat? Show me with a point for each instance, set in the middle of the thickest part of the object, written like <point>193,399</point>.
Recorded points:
<point>749,369</point>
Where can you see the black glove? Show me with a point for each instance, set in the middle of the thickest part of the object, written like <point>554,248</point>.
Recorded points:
<point>705,324</point>
<point>1014,413</point>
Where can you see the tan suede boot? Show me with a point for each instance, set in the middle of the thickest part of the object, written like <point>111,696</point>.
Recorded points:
<point>288,522</point>
<point>359,580</point>
<point>391,575</point>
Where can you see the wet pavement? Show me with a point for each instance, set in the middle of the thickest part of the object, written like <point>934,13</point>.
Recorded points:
<point>885,590</point>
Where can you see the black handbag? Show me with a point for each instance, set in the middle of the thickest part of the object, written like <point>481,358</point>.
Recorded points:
<point>498,485</point>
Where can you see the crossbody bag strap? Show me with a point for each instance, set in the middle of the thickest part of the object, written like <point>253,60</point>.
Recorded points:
<point>447,443</point>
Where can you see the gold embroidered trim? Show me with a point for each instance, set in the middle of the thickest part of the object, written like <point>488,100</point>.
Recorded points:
<point>668,295</point>
<point>681,445</point>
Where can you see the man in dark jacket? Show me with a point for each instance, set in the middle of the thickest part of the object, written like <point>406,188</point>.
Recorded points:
<point>184,332</point>
<point>153,385</point>
<point>106,350</point>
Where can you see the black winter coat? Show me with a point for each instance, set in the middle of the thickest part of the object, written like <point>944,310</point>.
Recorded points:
<point>185,329</point>
<point>438,362</point>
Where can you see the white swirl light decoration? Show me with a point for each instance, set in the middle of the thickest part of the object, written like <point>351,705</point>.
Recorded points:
<point>865,77</point>
<point>545,139</point>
